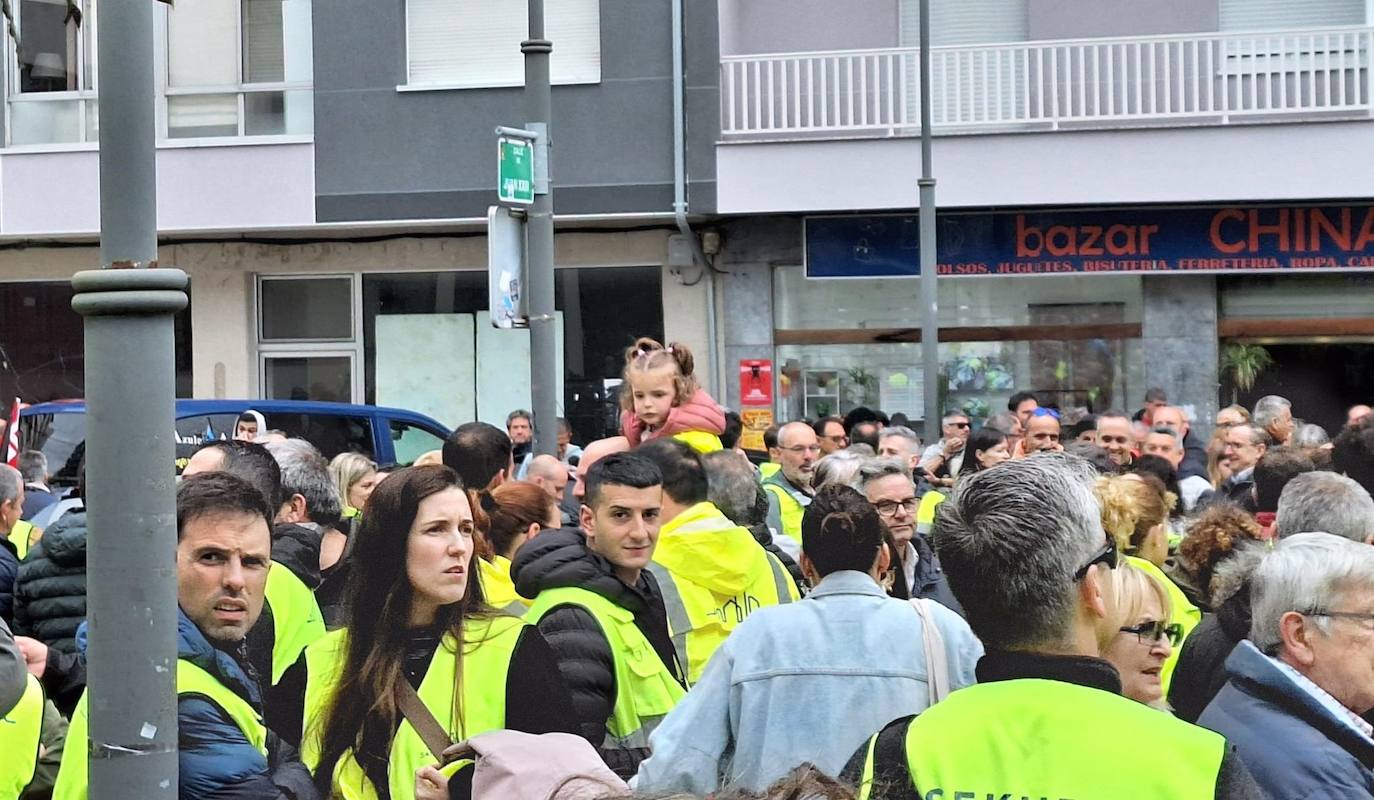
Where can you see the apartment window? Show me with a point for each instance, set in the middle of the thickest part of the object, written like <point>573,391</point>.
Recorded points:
<point>309,338</point>
<point>476,43</point>
<point>52,86</point>
<point>239,68</point>
<point>1270,15</point>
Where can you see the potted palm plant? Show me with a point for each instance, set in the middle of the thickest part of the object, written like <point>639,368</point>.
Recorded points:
<point>1242,364</point>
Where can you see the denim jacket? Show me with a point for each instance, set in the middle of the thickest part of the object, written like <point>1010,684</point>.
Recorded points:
<point>804,682</point>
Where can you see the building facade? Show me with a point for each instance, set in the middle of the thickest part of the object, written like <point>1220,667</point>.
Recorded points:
<point>324,176</point>
<point>1125,190</point>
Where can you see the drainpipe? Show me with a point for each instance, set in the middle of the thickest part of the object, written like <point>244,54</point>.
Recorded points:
<point>680,203</point>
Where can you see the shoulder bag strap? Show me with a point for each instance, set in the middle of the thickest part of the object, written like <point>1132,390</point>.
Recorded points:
<point>937,663</point>
<point>431,732</point>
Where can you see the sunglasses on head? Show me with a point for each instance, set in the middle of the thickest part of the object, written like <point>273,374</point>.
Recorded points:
<point>1045,412</point>
<point>1108,556</point>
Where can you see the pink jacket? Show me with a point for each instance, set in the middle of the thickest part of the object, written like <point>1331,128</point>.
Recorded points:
<point>698,414</point>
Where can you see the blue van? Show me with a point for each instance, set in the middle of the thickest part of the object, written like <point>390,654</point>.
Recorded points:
<point>386,435</point>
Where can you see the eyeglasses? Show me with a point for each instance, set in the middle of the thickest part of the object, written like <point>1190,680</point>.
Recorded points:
<point>964,425</point>
<point>1045,412</point>
<point>1157,630</point>
<point>1107,556</point>
<point>1367,617</point>
<point>888,508</point>
<point>803,448</point>
<point>840,440</point>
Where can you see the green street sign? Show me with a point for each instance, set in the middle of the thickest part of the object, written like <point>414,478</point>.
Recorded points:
<point>515,171</point>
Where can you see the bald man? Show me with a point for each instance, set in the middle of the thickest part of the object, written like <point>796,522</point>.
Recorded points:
<point>551,475</point>
<point>789,489</point>
<point>593,453</point>
<point>1356,414</point>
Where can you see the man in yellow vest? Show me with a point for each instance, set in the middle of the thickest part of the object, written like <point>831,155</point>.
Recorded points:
<point>1026,556</point>
<point>15,535</point>
<point>602,614</point>
<point>713,573</point>
<point>23,728</point>
<point>789,489</point>
<point>222,559</point>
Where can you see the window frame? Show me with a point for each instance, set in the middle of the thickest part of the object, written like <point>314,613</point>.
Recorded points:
<point>407,85</point>
<point>350,346</point>
<point>84,98</point>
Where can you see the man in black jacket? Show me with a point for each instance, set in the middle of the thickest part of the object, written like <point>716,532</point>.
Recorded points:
<point>621,517</point>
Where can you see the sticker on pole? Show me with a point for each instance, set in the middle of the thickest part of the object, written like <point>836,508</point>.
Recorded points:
<point>515,170</point>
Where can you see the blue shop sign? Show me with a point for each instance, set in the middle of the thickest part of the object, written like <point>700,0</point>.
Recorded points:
<point>1196,240</point>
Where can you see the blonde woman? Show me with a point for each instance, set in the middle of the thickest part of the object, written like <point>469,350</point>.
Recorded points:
<point>1141,635</point>
<point>355,476</point>
<point>1135,512</point>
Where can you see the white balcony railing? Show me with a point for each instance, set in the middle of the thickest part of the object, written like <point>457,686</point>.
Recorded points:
<point>1089,83</point>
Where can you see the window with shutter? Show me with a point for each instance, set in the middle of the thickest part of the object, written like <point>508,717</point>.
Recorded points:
<point>476,43</point>
<point>1269,15</point>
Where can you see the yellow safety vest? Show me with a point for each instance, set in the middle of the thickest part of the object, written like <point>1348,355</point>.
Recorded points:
<point>1185,614</point>
<point>645,689</point>
<point>925,513</point>
<point>21,734</point>
<point>768,469</point>
<point>700,441</point>
<point>487,649</point>
<point>1040,738</point>
<point>296,618</point>
<point>791,506</point>
<point>23,536</point>
<point>699,552</point>
<point>498,588</point>
<point>191,679</point>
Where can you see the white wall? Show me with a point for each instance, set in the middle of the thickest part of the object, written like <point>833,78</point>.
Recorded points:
<point>198,189</point>
<point>1160,165</point>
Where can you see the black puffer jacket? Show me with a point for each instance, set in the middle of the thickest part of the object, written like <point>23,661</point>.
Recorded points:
<point>9,569</point>
<point>50,594</point>
<point>560,558</point>
<point>1201,670</point>
<point>297,548</point>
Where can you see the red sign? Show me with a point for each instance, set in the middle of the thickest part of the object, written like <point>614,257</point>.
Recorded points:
<point>755,382</point>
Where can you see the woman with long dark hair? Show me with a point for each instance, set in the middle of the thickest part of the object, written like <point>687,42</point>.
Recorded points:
<point>417,625</point>
<point>985,449</point>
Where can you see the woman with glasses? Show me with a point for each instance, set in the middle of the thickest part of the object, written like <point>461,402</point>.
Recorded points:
<point>1142,636</point>
<point>509,515</point>
<point>1135,509</point>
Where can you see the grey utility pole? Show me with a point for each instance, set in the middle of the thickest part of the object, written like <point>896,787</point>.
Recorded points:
<point>130,388</point>
<point>930,298</point>
<point>539,230</point>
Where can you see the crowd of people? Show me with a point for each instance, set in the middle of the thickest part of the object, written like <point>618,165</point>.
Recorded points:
<point>1038,604</point>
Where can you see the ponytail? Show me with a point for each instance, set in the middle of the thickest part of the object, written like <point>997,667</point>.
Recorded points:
<point>648,355</point>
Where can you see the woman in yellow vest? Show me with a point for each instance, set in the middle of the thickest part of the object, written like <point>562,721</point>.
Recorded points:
<point>417,625</point>
<point>356,476</point>
<point>1135,512</point>
<point>513,512</point>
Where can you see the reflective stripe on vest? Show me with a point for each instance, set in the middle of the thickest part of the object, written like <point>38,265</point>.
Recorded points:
<point>925,513</point>
<point>191,680</point>
<point>497,587</point>
<point>19,537</point>
<point>487,649</point>
<point>296,618</point>
<point>645,689</point>
<point>696,641</point>
<point>21,733</point>
<point>965,746</point>
<point>789,509</point>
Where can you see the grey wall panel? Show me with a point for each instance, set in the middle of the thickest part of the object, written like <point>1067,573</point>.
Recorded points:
<point>789,26</point>
<point>1083,19</point>
<point>385,154</point>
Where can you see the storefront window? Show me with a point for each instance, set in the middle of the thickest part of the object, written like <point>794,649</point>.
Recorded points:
<point>846,343</point>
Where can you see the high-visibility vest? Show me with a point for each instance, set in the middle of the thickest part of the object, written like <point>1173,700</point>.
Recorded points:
<point>1041,738</point>
<point>487,648</point>
<point>768,469</point>
<point>191,679</point>
<point>699,619</point>
<point>925,513</point>
<point>700,441</point>
<point>296,618</point>
<point>645,689</point>
<point>498,589</point>
<point>790,505</point>
<point>21,734</point>
<point>1185,614</point>
<point>20,536</point>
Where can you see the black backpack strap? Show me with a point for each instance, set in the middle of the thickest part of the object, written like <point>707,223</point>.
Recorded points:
<point>891,775</point>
